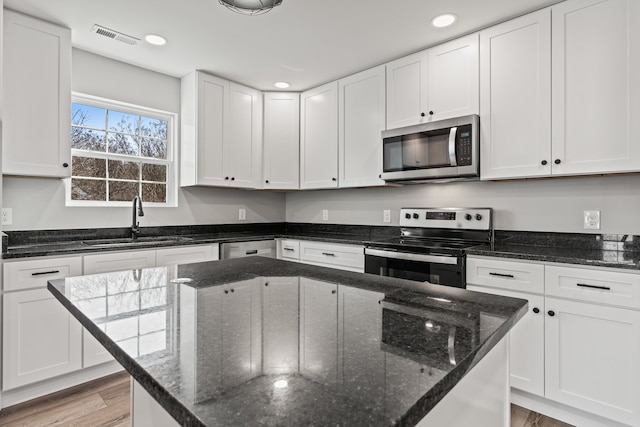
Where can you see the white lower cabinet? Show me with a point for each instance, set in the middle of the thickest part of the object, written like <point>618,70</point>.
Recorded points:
<point>187,254</point>
<point>580,341</point>
<point>115,261</point>
<point>335,255</point>
<point>41,339</point>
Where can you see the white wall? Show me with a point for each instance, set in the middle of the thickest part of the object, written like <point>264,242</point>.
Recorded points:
<point>38,204</point>
<point>555,204</point>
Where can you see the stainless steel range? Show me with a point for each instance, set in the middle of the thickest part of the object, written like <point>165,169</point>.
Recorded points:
<point>431,245</point>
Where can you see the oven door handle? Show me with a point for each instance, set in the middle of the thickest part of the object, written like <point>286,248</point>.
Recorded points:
<point>438,259</point>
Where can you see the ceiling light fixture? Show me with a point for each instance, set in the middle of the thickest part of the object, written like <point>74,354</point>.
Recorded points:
<point>444,20</point>
<point>250,7</point>
<point>155,39</point>
<point>281,85</point>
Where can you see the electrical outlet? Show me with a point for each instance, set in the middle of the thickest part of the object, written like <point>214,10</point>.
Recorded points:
<point>325,214</point>
<point>386,215</point>
<point>7,216</point>
<point>592,220</point>
<point>242,214</point>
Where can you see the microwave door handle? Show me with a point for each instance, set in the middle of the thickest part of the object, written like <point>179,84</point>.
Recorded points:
<point>452,146</point>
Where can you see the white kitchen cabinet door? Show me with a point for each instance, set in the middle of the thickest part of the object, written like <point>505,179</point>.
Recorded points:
<point>204,111</point>
<point>36,79</point>
<point>41,339</point>
<point>241,333</point>
<point>281,149</point>
<point>93,353</point>
<point>186,254</point>
<point>361,120</point>
<point>592,355</point>
<point>596,86</point>
<point>319,137</point>
<point>244,137</point>
<point>319,331</point>
<point>281,327</point>
<point>454,78</point>
<point>116,261</point>
<point>407,91</point>
<point>526,342</point>
<point>360,340</point>
<point>515,101</point>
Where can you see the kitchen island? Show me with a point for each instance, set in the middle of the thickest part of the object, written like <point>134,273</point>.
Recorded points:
<point>257,341</point>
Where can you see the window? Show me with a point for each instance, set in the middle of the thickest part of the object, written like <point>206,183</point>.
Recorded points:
<point>119,151</point>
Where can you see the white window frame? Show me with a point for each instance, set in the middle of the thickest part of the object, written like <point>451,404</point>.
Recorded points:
<point>172,151</point>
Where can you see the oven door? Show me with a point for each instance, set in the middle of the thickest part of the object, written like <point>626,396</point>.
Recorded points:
<point>436,269</point>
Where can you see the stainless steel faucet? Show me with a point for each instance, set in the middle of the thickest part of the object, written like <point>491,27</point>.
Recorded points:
<point>135,225</point>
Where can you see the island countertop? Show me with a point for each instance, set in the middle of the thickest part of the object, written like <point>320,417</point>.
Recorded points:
<point>258,341</point>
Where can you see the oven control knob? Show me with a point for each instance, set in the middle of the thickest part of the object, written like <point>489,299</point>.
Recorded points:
<point>467,217</point>
<point>478,217</point>
<point>407,215</point>
<point>416,216</point>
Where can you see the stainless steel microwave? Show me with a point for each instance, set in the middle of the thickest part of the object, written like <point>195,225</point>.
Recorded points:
<point>445,150</point>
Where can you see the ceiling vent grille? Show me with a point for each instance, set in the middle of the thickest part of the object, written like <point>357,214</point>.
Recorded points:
<point>115,35</point>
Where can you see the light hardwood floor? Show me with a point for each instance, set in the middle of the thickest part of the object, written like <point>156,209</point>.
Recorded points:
<point>105,403</point>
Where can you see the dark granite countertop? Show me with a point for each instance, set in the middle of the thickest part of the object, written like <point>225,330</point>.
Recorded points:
<point>609,250</point>
<point>257,341</point>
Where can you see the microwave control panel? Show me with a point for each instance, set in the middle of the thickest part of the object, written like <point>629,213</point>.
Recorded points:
<point>463,146</point>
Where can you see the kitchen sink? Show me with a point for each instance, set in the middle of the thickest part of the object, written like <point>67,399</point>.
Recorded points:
<point>140,241</point>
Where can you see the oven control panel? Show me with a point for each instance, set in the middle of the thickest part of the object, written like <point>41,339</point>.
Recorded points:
<point>454,218</point>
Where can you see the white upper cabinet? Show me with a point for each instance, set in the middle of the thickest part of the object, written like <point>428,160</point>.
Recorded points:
<point>361,120</point>
<point>596,86</point>
<point>319,137</point>
<point>515,107</point>
<point>281,149</point>
<point>407,90</point>
<point>453,78</point>
<point>36,80</point>
<point>221,133</point>
<point>435,84</point>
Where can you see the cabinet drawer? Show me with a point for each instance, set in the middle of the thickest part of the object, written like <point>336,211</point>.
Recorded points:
<point>186,255</point>
<point>34,273</point>
<point>290,249</point>
<point>510,275</point>
<point>348,257</point>
<point>116,261</point>
<point>600,286</point>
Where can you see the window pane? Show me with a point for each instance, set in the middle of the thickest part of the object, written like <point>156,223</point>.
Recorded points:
<point>87,166</point>
<point>85,115</point>
<point>88,189</point>
<point>123,122</point>
<point>151,172</point>
<point>154,148</point>
<point>122,191</point>
<point>155,128</point>
<point>124,170</point>
<point>122,144</point>
<point>88,139</point>
<point>156,193</point>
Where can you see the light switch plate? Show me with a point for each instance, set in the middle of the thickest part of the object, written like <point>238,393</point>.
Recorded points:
<point>592,220</point>
<point>325,214</point>
<point>242,214</point>
<point>7,216</point>
<point>386,215</point>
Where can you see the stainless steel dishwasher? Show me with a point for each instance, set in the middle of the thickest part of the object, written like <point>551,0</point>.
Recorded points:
<point>266,248</point>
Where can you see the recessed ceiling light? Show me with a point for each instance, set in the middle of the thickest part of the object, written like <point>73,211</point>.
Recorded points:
<point>444,20</point>
<point>155,39</point>
<point>282,85</point>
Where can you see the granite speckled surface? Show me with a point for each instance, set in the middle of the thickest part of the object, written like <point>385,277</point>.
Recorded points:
<point>603,250</point>
<point>354,349</point>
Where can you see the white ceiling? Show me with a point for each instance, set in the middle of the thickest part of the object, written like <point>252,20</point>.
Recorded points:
<point>304,42</point>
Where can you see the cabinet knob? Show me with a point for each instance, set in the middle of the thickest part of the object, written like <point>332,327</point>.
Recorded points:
<point>233,178</point>
<point>65,165</point>
<point>536,310</point>
<point>551,313</point>
<point>333,179</point>
<point>226,178</point>
<point>557,161</point>
<point>266,284</point>
<point>232,290</point>
<point>422,370</point>
<point>333,292</point>
<point>422,114</point>
<point>226,292</point>
<point>266,181</point>
<point>431,113</point>
<point>380,176</point>
<point>543,163</point>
